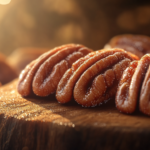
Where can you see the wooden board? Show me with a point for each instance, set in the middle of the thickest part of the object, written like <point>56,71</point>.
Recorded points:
<point>42,124</point>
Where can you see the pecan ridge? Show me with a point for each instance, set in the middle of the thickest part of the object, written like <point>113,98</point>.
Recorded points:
<point>95,79</point>
<point>41,76</point>
<point>134,87</point>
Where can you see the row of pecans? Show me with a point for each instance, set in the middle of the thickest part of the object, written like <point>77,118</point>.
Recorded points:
<point>91,78</point>
<point>16,61</point>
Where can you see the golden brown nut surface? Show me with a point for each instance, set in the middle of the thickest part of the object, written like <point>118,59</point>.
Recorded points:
<point>94,78</point>
<point>7,73</point>
<point>42,76</point>
<point>134,87</point>
<point>136,44</point>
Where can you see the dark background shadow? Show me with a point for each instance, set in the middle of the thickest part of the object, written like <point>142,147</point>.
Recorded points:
<point>51,23</point>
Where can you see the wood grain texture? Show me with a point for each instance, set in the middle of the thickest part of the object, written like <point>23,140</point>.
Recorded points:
<point>43,123</point>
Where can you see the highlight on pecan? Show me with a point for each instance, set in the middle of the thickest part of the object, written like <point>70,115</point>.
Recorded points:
<point>134,87</point>
<point>94,78</point>
<point>7,72</point>
<point>42,75</point>
<point>136,44</point>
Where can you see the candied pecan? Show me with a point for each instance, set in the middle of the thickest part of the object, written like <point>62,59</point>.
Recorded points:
<point>42,76</point>
<point>134,86</point>
<point>94,78</point>
<point>136,44</point>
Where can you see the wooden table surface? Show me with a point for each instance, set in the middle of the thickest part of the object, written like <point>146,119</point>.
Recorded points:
<point>42,123</point>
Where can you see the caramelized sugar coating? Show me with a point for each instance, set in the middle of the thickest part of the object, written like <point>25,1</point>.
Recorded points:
<point>42,76</point>
<point>134,87</point>
<point>94,78</point>
<point>23,56</point>
<point>7,73</point>
<point>136,44</point>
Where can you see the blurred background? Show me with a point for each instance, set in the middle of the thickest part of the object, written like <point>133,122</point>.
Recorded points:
<point>50,23</point>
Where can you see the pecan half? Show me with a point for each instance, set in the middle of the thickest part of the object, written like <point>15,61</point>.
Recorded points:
<point>134,87</point>
<point>136,44</point>
<point>94,78</point>
<point>42,76</point>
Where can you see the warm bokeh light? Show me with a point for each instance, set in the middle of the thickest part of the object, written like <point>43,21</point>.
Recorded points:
<point>4,2</point>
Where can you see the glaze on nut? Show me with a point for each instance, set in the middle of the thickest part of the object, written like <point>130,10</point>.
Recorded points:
<point>134,87</point>
<point>136,44</point>
<point>94,78</point>
<point>42,76</point>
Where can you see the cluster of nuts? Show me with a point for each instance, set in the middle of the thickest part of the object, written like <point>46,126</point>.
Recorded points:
<point>91,78</point>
